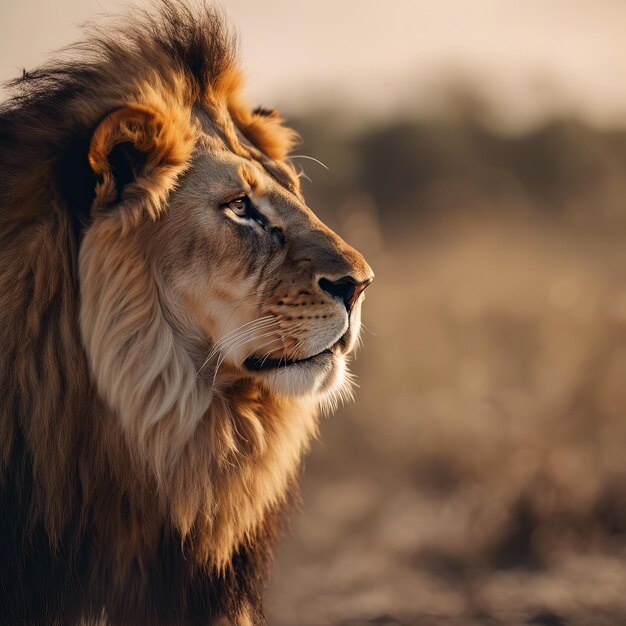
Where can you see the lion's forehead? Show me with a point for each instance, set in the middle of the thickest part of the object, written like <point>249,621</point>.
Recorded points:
<point>215,172</point>
<point>223,140</point>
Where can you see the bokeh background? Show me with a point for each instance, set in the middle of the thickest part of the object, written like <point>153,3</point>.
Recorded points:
<point>476,154</point>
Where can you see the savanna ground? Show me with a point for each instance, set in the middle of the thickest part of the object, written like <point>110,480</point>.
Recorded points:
<point>480,476</point>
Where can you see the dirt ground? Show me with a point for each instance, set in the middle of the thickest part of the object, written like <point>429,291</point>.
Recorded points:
<point>479,476</point>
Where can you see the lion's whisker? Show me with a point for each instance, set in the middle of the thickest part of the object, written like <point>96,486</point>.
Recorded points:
<point>239,341</point>
<point>306,156</point>
<point>236,334</point>
<point>267,292</point>
<point>254,324</point>
<point>367,329</point>
<point>224,355</point>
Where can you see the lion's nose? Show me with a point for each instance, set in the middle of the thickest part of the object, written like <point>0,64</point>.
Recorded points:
<point>347,289</point>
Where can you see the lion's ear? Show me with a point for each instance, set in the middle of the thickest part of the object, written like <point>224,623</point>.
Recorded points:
<point>137,153</point>
<point>262,127</point>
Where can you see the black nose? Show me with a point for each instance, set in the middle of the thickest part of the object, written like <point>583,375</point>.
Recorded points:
<point>346,289</point>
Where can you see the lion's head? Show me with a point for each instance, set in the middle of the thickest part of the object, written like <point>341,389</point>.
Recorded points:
<point>203,251</point>
<point>183,280</point>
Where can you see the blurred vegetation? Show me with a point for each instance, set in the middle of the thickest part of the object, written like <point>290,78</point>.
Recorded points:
<point>416,168</point>
<point>480,476</point>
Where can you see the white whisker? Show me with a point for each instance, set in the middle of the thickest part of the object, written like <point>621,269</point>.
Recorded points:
<point>240,343</point>
<point>244,327</point>
<point>242,340</point>
<point>367,329</point>
<point>250,327</point>
<point>306,156</point>
<point>263,293</point>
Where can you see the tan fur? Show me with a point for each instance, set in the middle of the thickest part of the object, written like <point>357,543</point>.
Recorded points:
<point>112,295</point>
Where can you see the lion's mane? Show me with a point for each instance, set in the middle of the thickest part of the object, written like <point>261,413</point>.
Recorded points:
<point>82,518</point>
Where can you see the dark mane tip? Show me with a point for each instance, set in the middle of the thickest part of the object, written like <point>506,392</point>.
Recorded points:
<point>264,112</point>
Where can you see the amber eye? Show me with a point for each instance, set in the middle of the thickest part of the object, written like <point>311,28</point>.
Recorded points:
<point>240,206</point>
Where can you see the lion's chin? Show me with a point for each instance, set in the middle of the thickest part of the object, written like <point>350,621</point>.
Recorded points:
<point>321,375</point>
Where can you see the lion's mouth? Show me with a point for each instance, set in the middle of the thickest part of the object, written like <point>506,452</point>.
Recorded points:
<point>263,364</point>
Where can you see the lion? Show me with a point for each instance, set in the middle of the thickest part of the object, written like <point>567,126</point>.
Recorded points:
<point>173,317</point>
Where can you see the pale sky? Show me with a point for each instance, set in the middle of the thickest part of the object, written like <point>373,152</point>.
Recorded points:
<point>376,58</point>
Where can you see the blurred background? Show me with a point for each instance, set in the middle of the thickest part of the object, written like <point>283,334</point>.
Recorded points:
<point>476,154</point>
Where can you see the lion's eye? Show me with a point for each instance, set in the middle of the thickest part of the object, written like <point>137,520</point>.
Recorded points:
<point>240,206</point>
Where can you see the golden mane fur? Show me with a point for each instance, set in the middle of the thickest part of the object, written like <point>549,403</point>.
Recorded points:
<point>120,466</point>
